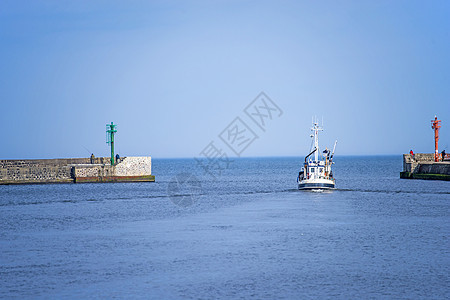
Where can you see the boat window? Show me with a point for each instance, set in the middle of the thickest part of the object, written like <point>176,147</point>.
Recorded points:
<point>311,170</point>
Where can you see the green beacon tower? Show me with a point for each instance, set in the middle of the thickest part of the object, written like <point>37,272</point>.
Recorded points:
<point>110,131</point>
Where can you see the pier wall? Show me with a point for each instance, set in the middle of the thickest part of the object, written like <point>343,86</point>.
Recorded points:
<point>129,169</point>
<point>35,173</point>
<point>434,168</point>
<point>68,170</point>
<point>134,166</point>
<point>423,166</point>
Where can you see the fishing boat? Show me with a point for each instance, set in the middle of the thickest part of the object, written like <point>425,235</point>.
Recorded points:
<point>316,173</point>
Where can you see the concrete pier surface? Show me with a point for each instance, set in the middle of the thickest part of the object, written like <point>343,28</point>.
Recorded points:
<point>423,166</point>
<point>76,170</point>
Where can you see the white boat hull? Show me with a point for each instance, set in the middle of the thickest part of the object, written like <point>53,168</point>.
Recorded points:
<point>316,184</point>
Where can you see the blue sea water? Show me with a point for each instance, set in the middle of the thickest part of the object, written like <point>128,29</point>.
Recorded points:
<point>248,233</point>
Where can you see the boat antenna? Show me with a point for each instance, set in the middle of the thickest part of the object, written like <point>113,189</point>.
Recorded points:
<point>334,148</point>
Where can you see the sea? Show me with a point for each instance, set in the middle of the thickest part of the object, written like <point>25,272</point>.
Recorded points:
<point>239,231</point>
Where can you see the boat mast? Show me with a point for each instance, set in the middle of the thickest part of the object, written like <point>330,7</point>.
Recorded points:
<point>316,129</point>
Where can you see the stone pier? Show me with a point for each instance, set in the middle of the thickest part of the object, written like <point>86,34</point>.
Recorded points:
<point>75,170</point>
<point>423,166</point>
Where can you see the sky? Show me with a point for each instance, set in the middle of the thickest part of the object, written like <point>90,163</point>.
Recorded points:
<point>175,75</point>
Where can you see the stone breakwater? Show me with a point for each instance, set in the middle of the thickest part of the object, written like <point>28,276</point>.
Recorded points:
<point>75,170</point>
<point>423,166</point>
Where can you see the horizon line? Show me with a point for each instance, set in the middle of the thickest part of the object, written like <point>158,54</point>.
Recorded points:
<point>233,157</point>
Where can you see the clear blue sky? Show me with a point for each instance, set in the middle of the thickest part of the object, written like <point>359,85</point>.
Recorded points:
<point>174,74</point>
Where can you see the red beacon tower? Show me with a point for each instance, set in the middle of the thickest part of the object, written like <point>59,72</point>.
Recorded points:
<point>436,124</point>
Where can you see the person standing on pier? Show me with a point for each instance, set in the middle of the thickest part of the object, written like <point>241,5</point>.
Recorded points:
<point>412,154</point>
<point>443,154</point>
